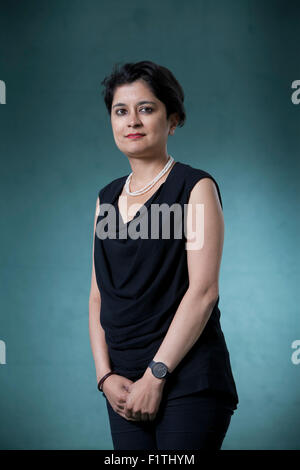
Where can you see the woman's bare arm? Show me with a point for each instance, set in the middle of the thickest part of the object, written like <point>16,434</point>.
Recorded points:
<point>204,262</point>
<point>97,335</point>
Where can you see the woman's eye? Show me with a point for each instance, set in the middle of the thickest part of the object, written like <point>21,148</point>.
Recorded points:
<point>148,108</point>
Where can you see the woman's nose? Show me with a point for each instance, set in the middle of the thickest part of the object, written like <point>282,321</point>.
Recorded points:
<point>134,119</point>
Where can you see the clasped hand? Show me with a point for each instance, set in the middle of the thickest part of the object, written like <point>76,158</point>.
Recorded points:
<point>143,399</point>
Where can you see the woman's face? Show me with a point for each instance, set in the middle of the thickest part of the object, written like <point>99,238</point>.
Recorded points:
<point>130,116</point>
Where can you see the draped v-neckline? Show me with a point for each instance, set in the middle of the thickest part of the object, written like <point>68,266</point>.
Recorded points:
<point>146,203</point>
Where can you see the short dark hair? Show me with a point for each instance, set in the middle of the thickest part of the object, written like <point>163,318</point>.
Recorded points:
<point>160,80</point>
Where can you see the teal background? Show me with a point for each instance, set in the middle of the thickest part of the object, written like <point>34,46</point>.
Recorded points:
<point>236,61</point>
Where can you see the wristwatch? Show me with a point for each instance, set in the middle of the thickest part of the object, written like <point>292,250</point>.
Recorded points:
<point>159,370</point>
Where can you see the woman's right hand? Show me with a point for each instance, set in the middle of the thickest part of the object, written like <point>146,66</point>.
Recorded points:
<point>116,388</point>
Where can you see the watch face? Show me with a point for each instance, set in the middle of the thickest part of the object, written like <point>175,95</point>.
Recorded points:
<point>159,370</point>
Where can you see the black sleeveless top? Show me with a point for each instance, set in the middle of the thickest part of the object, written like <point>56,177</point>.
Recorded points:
<point>141,283</point>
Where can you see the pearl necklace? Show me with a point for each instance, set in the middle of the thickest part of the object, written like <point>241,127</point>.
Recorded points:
<point>149,185</point>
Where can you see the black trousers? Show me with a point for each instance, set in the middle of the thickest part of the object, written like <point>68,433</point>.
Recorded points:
<point>198,421</point>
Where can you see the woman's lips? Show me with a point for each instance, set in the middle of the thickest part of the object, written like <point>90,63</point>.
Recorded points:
<point>137,136</point>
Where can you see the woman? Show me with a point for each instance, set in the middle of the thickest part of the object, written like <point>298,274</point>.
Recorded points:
<point>160,355</point>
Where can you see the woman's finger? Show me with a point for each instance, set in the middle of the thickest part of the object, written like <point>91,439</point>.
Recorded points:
<point>124,416</point>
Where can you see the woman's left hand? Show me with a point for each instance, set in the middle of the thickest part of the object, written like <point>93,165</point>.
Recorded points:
<point>144,398</point>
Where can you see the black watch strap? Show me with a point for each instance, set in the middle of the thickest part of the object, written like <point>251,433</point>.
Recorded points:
<point>159,370</point>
